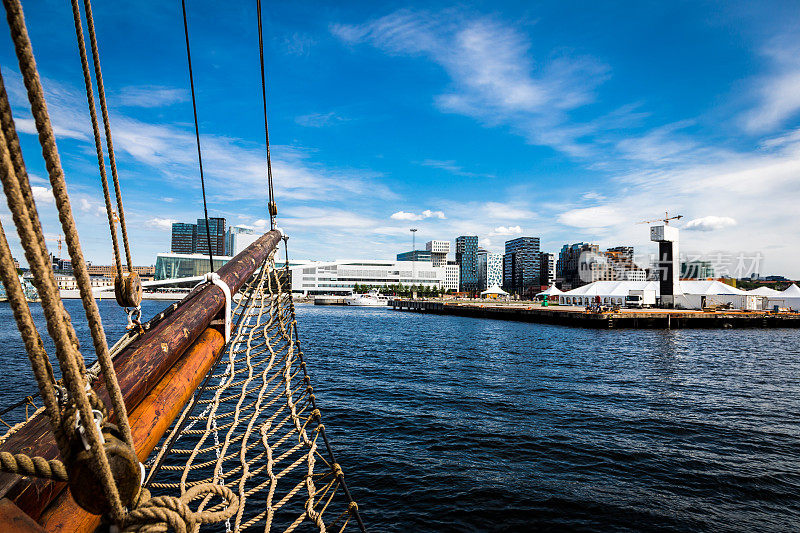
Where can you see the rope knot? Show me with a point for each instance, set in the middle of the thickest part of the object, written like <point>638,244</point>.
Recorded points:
<point>337,469</point>
<point>353,507</point>
<point>165,513</point>
<point>316,414</point>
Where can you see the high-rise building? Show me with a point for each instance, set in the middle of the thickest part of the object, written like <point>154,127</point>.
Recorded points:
<point>547,268</point>
<point>521,266</point>
<point>184,238</point>
<point>467,258</point>
<point>570,260</point>
<point>216,227</point>
<point>415,255</point>
<point>490,269</point>
<point>439,251</point>
<point>237,238</point>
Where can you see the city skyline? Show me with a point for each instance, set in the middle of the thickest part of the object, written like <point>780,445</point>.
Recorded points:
<point>385,118</point>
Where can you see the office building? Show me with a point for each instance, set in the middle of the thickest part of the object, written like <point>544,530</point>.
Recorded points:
<point>490,270</point>
<point>547,269</point>
<point>216,227</point>
<point>467,258</point>
<point>452,276</point>
<point>184,238</point>
<point>439,251</point>
<point>415,255</point>
<point>572,259</point>
<point>521,266</point>
<point>237,238</point>
<point>339,277</point>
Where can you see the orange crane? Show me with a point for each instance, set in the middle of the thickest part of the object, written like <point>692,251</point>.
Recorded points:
<point>665,220</point>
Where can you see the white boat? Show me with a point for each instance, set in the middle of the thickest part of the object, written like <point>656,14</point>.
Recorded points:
<point>372,298</point>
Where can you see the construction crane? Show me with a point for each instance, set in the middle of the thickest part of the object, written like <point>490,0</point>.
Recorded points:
<point>59,240</point>
<point>665,220</point>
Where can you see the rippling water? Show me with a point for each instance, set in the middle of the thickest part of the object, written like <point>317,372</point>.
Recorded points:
<point>458,424</point>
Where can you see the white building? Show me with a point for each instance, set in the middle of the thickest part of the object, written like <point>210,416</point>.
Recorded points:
<point>490,270</point>
<point>452,276</point>
<point>239,238</point>
<point>339,277</point>
<point>439,251</point>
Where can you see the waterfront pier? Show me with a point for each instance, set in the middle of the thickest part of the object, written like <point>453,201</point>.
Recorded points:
<point>624,318</point>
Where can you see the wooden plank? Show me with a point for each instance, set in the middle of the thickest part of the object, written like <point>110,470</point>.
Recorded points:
<point>139,368</point>
<point>15,521</point>
<point>149,422</point>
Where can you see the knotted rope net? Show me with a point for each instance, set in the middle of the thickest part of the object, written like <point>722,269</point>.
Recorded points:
<point>255,428</point>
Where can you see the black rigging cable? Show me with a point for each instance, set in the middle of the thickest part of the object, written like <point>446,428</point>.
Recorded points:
<point>197,135</point>
<point>273,208</point>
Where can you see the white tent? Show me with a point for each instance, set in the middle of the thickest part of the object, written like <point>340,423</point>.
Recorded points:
<point>788,298</point>
<point>494,292</point>
<point>764,291</point>
<point>696,293</point>
<point>552,290</point>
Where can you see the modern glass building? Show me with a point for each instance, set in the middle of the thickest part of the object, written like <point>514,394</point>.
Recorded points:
<point>184,238</point>
<point>521,266</point>
<point>490,270</point>
<point>216,227</point>
<point>416,255</point>
<point>467,258</point>
<point>238,238</point>
<point>171,266</point>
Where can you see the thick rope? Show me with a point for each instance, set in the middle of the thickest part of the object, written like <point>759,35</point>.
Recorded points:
<point>101,93</point>
<point>98,143</point>
<point>30,74</point>
<point>40,363</point>
<point>23,465</point>
<point>164,513</point>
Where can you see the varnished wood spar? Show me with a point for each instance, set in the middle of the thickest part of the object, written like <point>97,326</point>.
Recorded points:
<point>149,421</point>
<point>14,520</point>
<point>139,368</point>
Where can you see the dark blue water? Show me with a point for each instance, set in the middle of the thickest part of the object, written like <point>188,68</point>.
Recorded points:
<point>458,424</point>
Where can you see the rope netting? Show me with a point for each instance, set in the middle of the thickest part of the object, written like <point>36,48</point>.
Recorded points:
<point>255,429</point>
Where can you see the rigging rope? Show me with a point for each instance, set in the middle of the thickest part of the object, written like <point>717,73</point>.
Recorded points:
<point>98,143</point>
<point>197,135</point>
<point>272,206</point>
<point>259,432</point>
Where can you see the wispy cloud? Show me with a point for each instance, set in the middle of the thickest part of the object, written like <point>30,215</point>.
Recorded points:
<point>778,92</point>
<point>321,120</point>
<point>453,168</point>
<point>493,74</point>
<point>149,96</point>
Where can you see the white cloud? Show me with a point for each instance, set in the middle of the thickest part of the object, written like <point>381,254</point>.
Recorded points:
<point>161,223</point>
<point>42,194</point>
<point>404,215</point>
<point>591,217</point>
<point>710,223</point>
<point>503,230</point>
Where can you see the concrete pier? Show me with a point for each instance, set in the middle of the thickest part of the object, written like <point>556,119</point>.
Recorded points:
<point>626,318</point>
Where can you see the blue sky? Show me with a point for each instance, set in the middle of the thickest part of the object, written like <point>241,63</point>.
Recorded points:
<point>566,121</point>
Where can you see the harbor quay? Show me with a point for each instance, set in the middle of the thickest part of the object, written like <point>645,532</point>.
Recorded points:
<point>623,318</point>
